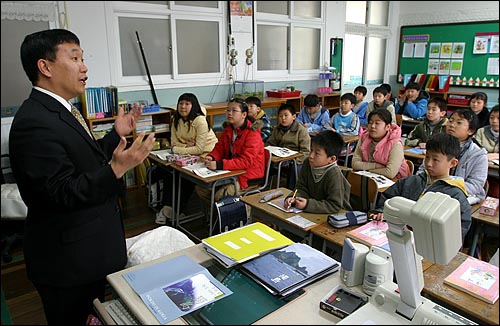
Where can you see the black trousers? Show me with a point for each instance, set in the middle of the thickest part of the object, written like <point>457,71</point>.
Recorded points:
<point>70,305</point>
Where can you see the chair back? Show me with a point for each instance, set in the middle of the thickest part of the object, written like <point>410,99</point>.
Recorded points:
<point>364,191</point>
<point>411,167</point>
<point>267,172</point>
<point>399,119</point>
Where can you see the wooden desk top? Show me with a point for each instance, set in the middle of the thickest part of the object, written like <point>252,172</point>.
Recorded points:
<point>434,286</point>
<point>209,179</point>
<point>331,234</point>
<point>492,220</point>
<point>492,165</point>
<point>277,159</point>
<point>253,200</point>
<point>412,155</point>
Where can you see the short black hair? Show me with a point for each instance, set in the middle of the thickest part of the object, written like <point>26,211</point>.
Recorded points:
<point>387,87</point>
<point>440,102</point>
<point>253,100</point>
<point>241,102</point>
<point>479,96</point>
<point>412,85</point>
<point>383,113</point>
<point>331,141</point>
<point>287,106</point>
<point>445,144</point>
<point>494,109</point>
<point>470,116</point>
<point>349,96</point>
<point>381,90</point>
<point>362,89</point>
<point>311,100</point>
<point>43,45</point>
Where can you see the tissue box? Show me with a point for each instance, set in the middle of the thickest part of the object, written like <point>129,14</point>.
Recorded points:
<point>489,206</point>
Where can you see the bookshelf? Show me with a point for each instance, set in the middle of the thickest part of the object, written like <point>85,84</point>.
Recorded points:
<point>160,125</point>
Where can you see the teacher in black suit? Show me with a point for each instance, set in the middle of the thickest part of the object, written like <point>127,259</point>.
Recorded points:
<point>74,233</point>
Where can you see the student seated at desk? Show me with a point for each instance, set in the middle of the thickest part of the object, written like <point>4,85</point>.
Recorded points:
<point>345,122</point>
<point>434,123</point>
<point>240,147</point>
<point>380,148</point>
<point>292,135</point>
<point>487,137</point>
<point>380,102</point>
<point>389,95</point>
<point>473,160</point>
<point>440,157</point>
<point>321,187</point>
<point>413,102</point>
<point>255,111</point>
<point>361,104</point>
<point>477,103</point>
<point>313,115</point>
<point>191,134</point>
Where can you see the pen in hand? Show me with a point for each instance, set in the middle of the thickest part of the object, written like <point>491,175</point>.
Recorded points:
<point>288,203</point>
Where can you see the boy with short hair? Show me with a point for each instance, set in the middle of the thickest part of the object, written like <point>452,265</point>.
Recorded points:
<point>313,115</point>
<point>433,123</point>
<point>380,102</point>
<point>255,111</point>
<point>292,135</point>
<point>321,187</point>
<point>441,156</point>
<point>413,102</point>
<point>360,107</point>
<point>345,122</point>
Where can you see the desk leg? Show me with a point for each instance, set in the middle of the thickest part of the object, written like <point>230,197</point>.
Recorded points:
<point>279,175</point>
<point>475,238</point>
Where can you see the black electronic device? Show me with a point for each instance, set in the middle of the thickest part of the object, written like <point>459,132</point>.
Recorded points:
<point>341,301</point>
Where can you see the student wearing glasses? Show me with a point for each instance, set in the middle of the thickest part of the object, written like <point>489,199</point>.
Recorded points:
<point>240,147</point>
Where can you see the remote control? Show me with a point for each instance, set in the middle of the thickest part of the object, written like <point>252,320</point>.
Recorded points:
<point>271,196</point>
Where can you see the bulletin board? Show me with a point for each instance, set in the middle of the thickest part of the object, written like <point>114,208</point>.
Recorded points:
<point>458,49</point>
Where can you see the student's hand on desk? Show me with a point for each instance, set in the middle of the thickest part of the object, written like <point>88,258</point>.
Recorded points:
<point>376,216</point>
<point>297,202</point>
<point>212,165</point>
<point>126,159</point>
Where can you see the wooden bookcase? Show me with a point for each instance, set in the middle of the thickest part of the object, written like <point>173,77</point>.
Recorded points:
<point>161,117</point>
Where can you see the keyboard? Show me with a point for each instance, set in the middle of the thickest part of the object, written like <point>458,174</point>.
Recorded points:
<point>120,313</point>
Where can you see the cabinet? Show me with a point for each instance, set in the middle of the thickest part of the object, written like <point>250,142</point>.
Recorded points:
<point>154,122</point>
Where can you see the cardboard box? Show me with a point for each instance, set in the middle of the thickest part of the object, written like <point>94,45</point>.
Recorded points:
<point>489,206</point>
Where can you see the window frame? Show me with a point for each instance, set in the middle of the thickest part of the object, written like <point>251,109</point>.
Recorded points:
<point>172,13</point>
<point>291,21</point>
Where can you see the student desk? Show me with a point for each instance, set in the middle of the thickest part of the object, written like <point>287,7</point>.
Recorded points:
<point>414,156</point>
<point>279,161</point>
<point>303,310</point>
<point>335,237</point>
<point>484,224</point>
<point>278,217</point>
<point>210,182</point>
<point>459,301</point>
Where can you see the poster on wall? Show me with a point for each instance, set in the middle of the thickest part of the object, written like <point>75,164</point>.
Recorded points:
<point>435,50</point>
<point>446,50</point>
<point>433,67</point>
<point>480,45</point>
<point>456,67</point>
<point>241,8</point>
<point>444,67</point>
<point>494,44</point>
<point>458,50</point>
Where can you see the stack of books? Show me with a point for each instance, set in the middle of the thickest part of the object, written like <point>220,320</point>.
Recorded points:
<point>370,234</point>
<point>244,243</point>
<point>284,271</point>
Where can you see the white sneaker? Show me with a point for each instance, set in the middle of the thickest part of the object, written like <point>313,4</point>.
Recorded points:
<point>164,214</point>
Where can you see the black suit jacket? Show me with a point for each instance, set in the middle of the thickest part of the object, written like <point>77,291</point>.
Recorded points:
<point>74,231</point>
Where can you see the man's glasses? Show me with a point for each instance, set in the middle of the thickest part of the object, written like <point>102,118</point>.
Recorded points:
<point>232,111</point>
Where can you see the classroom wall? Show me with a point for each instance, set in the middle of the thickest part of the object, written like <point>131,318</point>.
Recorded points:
<point>89,22</point>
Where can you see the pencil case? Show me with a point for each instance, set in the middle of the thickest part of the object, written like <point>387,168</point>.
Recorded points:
<point>343,220</point>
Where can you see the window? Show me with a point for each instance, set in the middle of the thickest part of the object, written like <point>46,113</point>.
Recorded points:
<point>367,31</point>
<point>289,38</point>
<point>181,40</point>
<point>19,20</point>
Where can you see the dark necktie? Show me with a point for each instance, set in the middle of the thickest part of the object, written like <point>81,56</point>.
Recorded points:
<point>80,119</point>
